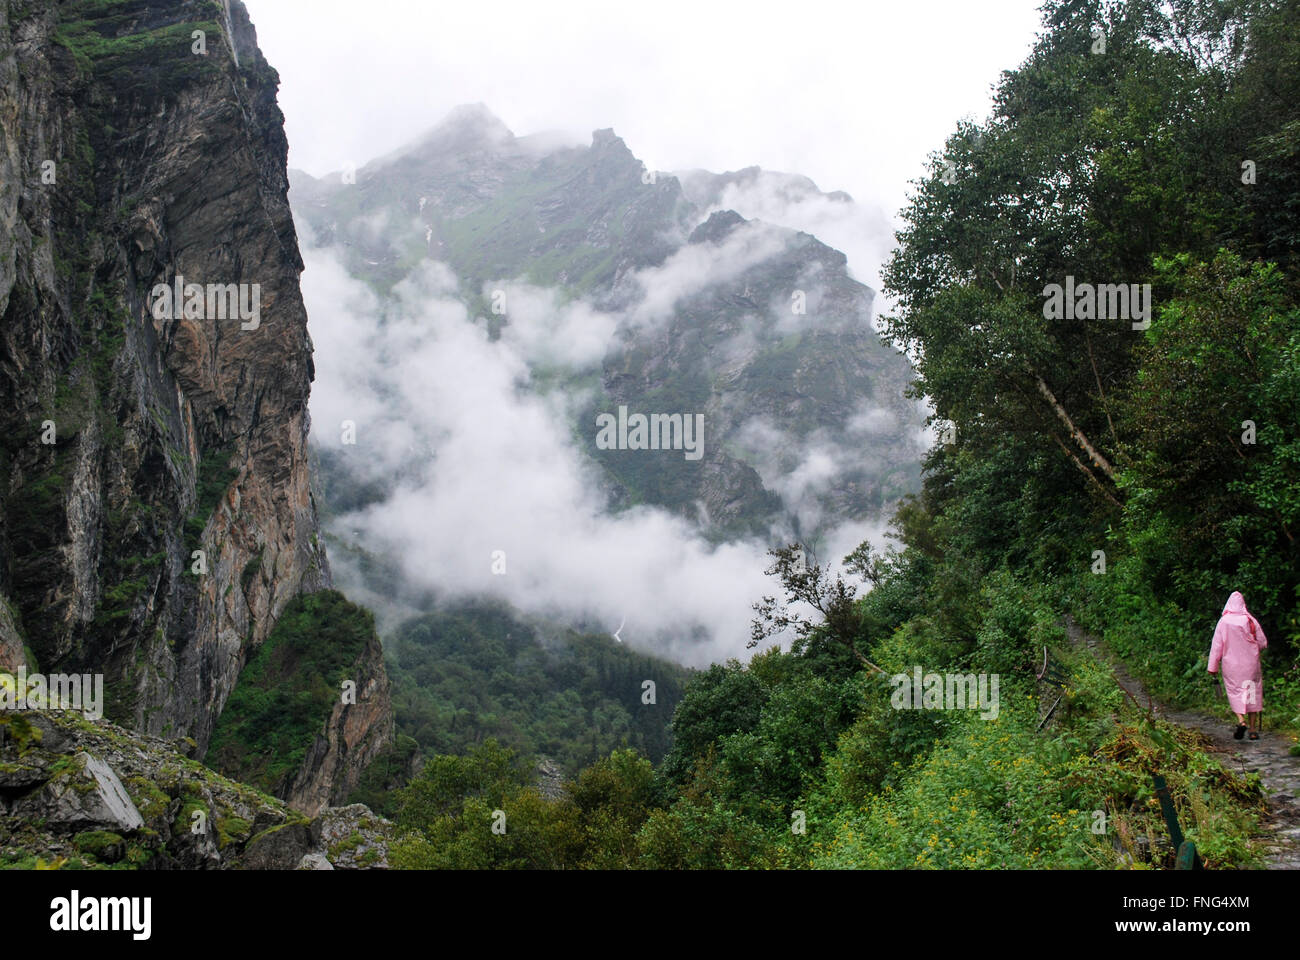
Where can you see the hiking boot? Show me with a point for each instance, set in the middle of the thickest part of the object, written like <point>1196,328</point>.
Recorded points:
<point>1254,735</point>
<point>1239,732</point>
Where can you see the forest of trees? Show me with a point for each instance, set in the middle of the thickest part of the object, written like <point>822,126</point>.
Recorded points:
<point>479,670</point>
<point>1123,474</point>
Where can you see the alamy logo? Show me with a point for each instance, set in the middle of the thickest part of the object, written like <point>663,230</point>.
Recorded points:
<point>659,431</point>
<point>215,301</point>
<point>72,914</point>
<point>1105,301</point>
<point>57,691</point>
<point>946,691</point>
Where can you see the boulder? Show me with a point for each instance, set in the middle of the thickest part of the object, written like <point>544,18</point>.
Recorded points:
<point>280,848</point>
<point>85,795</point>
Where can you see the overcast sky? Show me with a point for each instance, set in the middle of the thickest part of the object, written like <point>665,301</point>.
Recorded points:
<point>852,94</point>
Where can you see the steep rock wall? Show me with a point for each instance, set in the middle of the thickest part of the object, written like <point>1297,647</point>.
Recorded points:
<point>129,156</point>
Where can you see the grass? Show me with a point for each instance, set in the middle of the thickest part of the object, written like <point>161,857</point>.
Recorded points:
<point>288,690</point>
<point>215,475</point>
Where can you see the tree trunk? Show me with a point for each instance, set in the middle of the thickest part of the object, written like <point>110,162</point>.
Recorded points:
<point>1075,433</point>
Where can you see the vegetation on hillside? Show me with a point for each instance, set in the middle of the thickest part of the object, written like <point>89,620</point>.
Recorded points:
<point>1095,470</point>
<point>288,689</point>
<point>477,671</point>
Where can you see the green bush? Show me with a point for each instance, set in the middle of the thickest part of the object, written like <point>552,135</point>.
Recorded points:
<point>288,690</point>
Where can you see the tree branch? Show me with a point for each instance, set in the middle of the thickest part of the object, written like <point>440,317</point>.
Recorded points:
<point>1075,433</point>
<point>854,647</point>
<point>1090,475</point>
<point>1101,392</point>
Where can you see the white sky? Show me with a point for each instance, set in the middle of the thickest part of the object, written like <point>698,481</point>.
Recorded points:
<point>852,93</point>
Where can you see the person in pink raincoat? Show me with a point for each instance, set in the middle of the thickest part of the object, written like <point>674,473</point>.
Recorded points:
<point>1238,639</point>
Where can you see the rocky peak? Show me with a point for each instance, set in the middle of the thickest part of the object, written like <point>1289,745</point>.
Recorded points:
<point>606,139</point>
<point>719,224</point>
<point>610,153</point>
<point>467,127</point>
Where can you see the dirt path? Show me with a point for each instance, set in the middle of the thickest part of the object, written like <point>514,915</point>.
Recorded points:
<point>1269,756</point>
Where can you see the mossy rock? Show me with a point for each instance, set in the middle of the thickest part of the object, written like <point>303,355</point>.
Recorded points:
<point>184,820</point>
<point>346,845</point>
<point>61,767</point>
<point>25,734</point>
<point>148,799</point>
<point>104,845</point>
<point>232,830</point>
<point>24,861</point>
<point>280,847</point>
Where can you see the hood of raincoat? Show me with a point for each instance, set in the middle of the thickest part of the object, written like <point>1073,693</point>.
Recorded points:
<point>1236,604</point>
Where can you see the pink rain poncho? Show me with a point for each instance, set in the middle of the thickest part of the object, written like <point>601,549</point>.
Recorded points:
<point>1237,641</point>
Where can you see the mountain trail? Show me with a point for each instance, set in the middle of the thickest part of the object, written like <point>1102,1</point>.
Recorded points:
<point>1269,756</point>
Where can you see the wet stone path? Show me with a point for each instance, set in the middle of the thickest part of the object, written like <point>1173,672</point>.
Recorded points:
<point>1269,756</point>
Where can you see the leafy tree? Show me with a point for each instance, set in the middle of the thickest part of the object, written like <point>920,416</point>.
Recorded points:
<point>1214,472</point>
<point>614,797</point>
<point>702,831</point>
<point>810,585</point>
<point>477,812</point>
<point>720,701</point>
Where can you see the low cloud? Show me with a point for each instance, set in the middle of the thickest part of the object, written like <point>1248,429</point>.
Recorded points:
<point>473,458</point>
<point>697,267</point>
<point>864,233</point>
<point>800,470</point>
<point>548,332</point>
<point>501,471</point>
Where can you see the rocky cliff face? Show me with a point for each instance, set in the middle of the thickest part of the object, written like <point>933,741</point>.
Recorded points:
<point>156,514</point>
<point>354,735</point>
